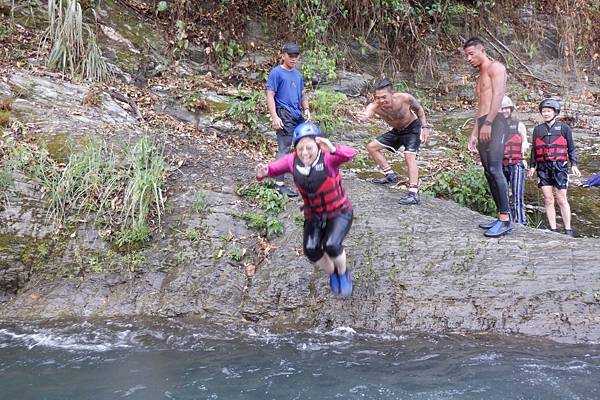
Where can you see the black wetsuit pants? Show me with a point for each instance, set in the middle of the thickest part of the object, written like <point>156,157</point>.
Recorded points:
<point>491,154</point>
<point>327,238</point>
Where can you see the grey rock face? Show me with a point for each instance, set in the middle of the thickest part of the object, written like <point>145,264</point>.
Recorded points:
<point>425,267</point>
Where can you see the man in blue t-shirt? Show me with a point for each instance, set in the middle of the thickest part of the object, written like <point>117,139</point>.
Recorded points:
<point>287,104</point>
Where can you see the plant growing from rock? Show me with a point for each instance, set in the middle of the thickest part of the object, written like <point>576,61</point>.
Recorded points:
<point>71,51</point>
<point>243,110</point>
<point>121,192</point>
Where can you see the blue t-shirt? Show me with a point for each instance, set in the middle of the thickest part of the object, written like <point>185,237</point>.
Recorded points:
<point>288,87</point>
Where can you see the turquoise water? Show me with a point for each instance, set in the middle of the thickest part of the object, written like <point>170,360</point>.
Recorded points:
<point>143,360</point>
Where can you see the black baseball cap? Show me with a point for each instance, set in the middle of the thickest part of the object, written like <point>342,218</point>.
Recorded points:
<point>290,48</point>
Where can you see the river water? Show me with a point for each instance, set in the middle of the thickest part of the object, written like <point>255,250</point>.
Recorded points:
<point>169,360</point>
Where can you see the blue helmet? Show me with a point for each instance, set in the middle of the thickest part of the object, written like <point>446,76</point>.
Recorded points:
<point>305,129</point>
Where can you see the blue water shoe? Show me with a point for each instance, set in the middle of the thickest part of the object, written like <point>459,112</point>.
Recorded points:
<point>488,225</point>
<point>334,283</point>
<point>346,283</point>
<point>498,229</point>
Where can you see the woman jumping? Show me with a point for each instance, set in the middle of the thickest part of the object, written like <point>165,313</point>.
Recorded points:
<point>328,214</point>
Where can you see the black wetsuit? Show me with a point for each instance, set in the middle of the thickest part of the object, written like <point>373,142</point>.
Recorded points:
<point>492,154</point>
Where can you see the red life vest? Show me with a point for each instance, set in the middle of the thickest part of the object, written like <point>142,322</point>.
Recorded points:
<point>513,145</point>
<point>550,143</point>
<point>323,195</point>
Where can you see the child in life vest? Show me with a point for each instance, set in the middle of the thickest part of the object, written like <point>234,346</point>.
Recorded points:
<point>552,148</point>
<point>328,214</point>
<point>513,163</point>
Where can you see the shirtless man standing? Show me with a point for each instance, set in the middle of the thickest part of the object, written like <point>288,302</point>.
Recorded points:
<point>490,130</point>
<point>409,128</point>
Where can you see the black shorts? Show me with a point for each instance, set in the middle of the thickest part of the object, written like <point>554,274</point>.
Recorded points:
<point>553,173</point>
<point>409,137</point>
<point>290,122</point>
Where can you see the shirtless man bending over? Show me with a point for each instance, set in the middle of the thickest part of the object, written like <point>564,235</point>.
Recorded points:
<point>409,128</point>
<point>489,131</point>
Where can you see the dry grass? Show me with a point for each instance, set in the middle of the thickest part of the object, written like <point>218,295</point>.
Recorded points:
<point>6,103</point>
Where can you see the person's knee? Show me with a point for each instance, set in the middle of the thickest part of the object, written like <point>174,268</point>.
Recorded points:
<point>496,171</point>
<point>548,199</point>
<point>313,253</point>
<point>562,201</point>
<point>372,147</point>
<point>334,248</point>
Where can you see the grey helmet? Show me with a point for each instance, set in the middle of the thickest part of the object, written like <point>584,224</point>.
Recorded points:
<point>550,103</point>
<point>507,102</point>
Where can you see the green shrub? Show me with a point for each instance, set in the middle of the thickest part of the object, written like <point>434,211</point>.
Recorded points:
<point>270,201</point>
<point>227,53</point>
<point>328,107</point>
<point>468,188</point>
<point>244,109</point>
<point>267,225</point>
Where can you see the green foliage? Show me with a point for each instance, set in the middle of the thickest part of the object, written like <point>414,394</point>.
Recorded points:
<point>194,234</point>
<point>134,261</point>
<point>6,182</point>
<point>268,198</point>
<point>319,62</point>
<point>328,107</point>
<point>468,188</point>
<point>147,168</point>
<point>95,264</point>
<point>123,194</point>
<point>200,203</point>
<point>227,53</point>
<point>244,109</point>
<point>162,6</point>
<point>312,17</point>
<point>181,36</point>
<point>68,52</point>
<point>268,225</point>
<point>270,201</point>
<point>93,66</point>
<point>235,253</point>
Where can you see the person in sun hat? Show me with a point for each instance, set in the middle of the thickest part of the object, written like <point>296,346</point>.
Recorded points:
<point>315,167</point>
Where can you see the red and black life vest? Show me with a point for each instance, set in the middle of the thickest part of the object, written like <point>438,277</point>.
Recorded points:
<point>550,144</point>
<point>513,145</point>
<point>323,195</point>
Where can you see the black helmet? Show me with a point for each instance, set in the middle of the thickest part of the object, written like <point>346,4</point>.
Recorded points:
<point>550,103</point>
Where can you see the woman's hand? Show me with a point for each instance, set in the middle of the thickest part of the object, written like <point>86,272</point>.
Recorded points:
<point>262,170</point>
<point>325,144</point>
<point>531,172</point>
<point>576,171</point>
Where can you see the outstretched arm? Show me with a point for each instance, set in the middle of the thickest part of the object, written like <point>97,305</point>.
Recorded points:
<point>275,168</point>
<point>368,112</point>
